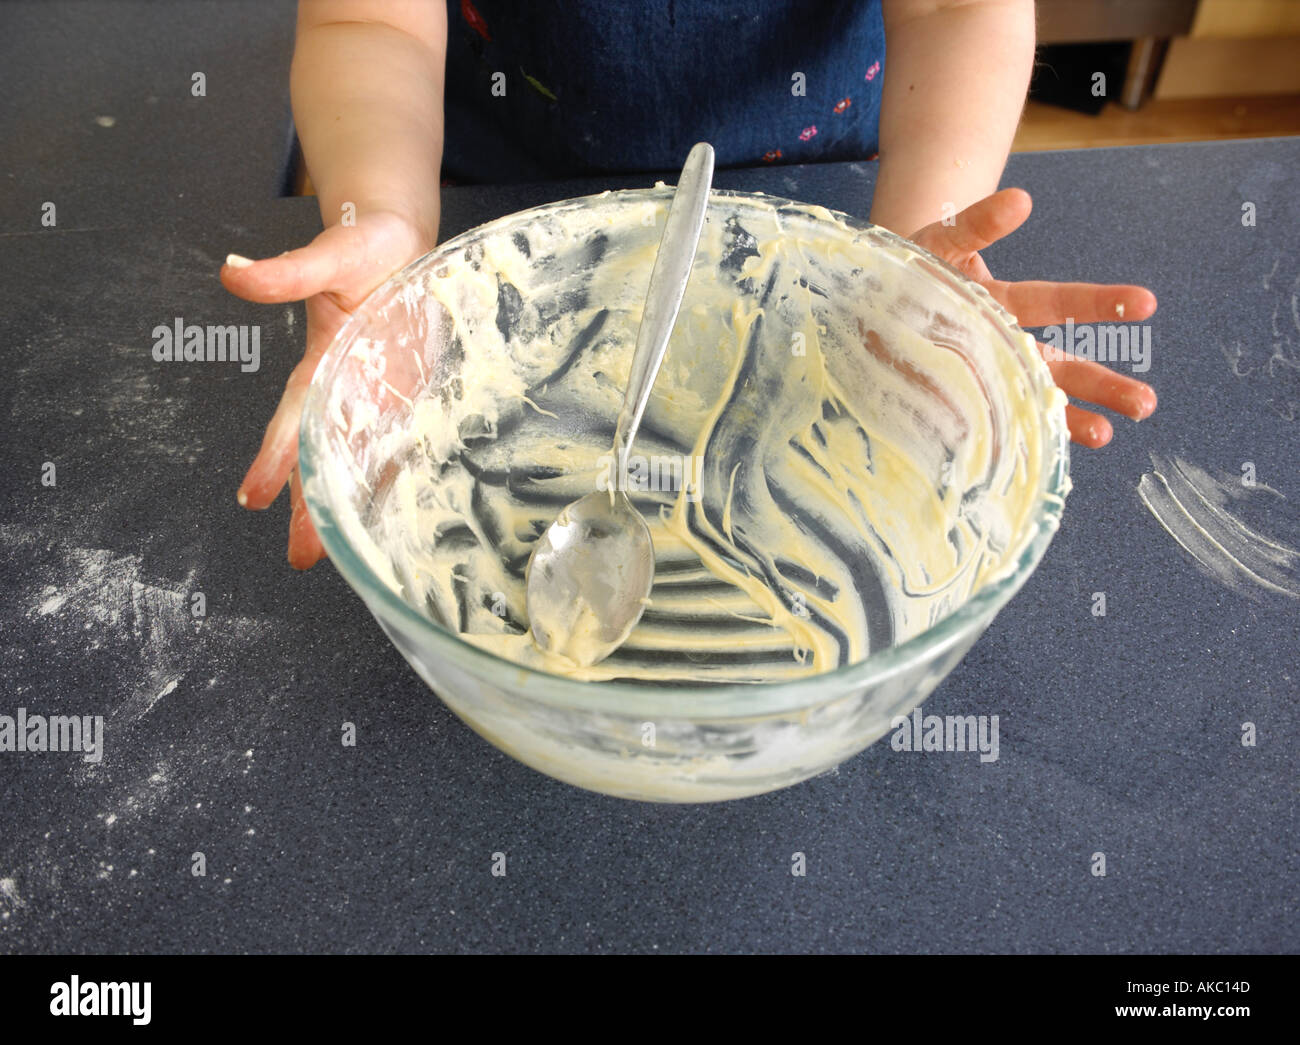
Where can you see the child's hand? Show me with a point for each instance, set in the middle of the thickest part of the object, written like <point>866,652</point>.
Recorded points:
<point>334,273</point>
<point>1036,303</point>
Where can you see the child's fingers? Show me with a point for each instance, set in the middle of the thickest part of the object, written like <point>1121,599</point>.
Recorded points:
<point>1093,383</point>
<point>296,274</point>
<point>1086,428</point>
<point>279,453</point>
<point>305,548</point>
<point>979,224</point>
<point>1036,303</point>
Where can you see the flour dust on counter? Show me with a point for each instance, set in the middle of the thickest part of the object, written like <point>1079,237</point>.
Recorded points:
<point>1268,357</point>
<point>127,648</point>
<point>1211,519</point>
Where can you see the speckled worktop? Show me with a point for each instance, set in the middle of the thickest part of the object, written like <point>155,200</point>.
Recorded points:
<point>1118,734</point>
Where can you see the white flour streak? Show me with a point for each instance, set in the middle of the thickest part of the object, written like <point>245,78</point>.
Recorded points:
<point>1272,357</point>
<point>144,703</point>
<point>9,893</point>
<point>53,604</point>
<point>98,600</point>
<point>1193,507</point>
<point>133,627</point>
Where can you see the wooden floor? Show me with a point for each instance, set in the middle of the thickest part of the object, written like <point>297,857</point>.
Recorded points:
<point>1169,120</point>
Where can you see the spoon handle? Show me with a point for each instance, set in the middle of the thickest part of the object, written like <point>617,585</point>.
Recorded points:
<point>668,278</point>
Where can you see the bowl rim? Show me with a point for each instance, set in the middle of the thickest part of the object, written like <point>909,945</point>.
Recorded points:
<point>651,699</point>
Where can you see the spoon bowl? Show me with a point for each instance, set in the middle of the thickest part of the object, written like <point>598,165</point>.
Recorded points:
<point>584,604</point>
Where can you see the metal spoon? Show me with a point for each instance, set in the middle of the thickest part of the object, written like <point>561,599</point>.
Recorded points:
<point>590,574</point>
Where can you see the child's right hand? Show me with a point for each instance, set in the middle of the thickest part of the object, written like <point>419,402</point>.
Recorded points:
<point>333,273</point>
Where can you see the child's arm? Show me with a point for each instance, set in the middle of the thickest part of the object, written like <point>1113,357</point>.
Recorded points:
<point>367,86</point>
<point>956,74</point>
<point>367,99</point>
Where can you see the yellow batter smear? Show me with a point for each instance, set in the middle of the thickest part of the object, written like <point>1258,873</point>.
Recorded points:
<point>869,449</point>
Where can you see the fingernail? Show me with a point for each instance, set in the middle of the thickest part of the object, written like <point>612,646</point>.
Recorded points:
<point>1142,405</point>
<point>238,261</point>
<point>242,498</point>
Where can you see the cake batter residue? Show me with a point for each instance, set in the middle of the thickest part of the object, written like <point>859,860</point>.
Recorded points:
<point>842,445</point>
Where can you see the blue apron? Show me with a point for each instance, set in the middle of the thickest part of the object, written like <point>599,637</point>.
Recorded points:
<point>543,89</point>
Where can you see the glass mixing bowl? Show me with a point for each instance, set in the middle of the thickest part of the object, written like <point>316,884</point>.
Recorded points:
<point>958,398</point>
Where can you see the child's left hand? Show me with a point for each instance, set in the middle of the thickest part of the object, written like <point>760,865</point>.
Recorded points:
<point>1038,303</point>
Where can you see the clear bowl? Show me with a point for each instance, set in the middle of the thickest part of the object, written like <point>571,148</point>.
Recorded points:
<point>413,344</point>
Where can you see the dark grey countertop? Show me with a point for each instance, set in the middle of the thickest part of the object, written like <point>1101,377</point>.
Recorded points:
<point>100,113</point>
<point>1118,735</point>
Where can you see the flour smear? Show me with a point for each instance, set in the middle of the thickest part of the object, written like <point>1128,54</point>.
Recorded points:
<point>1204,515</point>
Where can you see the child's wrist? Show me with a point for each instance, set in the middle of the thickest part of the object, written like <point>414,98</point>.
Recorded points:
<point>421,219</point>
